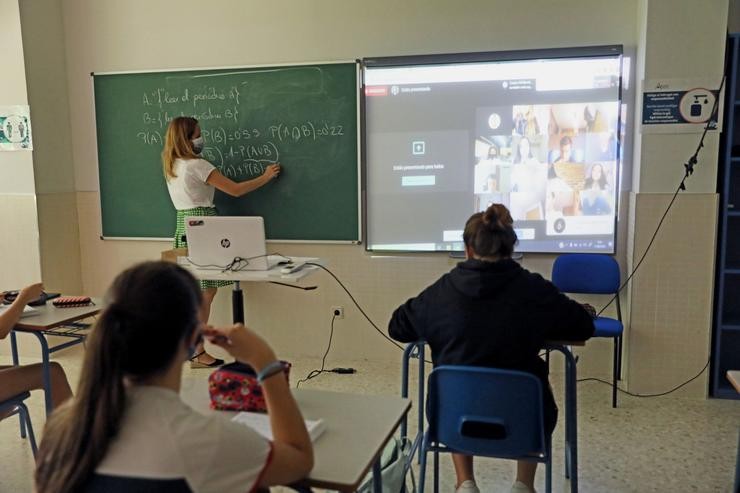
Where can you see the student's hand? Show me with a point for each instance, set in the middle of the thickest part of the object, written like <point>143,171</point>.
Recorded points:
<point>272,171</point>
<point>242,343</point>
<point>30,293</point>
<point>590,309</point>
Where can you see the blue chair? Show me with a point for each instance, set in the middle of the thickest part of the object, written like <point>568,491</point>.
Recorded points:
<point>588,273</point>
<point>486,412</point>
<point>15,405</point>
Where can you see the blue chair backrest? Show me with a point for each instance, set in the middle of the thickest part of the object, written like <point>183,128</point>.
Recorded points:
<point>486,411</point>
<point>586,273</point>
<point>103,483</point>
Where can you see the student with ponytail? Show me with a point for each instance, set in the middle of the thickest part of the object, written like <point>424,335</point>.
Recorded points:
<point>127,429</point>
<point>489,311</point>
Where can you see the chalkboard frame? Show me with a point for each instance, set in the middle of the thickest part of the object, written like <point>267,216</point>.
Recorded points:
<point>358,137</point>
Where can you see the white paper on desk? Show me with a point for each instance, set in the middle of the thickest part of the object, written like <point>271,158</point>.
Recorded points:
<point>260,423</point>
<point>27,310</point>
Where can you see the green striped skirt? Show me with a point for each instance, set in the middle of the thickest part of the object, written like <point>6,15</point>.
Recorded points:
<point>181,241</point>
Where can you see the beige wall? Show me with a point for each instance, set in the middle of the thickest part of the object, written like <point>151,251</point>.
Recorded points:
<point>105,35</point>
<point>115,36</point>
<point>19,241</point>
<point>671,296</point>
<point>43,45</point>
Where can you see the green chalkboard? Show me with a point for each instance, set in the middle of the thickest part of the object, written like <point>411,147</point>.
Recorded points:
<point>304,117</point>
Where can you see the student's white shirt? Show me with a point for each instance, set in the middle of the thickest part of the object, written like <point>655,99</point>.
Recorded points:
<point>163,438</point>
<point>189,188</point>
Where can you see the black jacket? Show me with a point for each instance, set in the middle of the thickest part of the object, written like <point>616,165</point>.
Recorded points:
<point>493,314</point>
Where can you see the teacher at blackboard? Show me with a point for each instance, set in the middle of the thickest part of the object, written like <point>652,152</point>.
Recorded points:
<point>192,181</point>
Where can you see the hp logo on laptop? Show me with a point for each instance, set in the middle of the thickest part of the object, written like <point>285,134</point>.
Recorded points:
<point>225,243</point>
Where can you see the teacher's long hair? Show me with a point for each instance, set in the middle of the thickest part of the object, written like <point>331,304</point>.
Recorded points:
<point>152,309</point>
<point>177,144</point>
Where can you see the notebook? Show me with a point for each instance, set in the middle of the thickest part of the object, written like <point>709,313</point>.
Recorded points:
<point>27,310</point>
<point>260,422</point>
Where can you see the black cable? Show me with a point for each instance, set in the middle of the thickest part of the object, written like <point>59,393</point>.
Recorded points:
<point>238,263</point>
<point>304,288</point>
<point>316,373</point>
<point>360,308</point>
<point>688,171</point>
<point>648,395</point>
<point>357,304</point>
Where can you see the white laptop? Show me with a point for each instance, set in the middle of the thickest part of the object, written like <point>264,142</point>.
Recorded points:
<point>228,242</point>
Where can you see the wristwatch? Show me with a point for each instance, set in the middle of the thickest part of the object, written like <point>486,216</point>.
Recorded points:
<point>269,370</point>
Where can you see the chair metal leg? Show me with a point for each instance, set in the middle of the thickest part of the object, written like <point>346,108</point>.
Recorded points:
<point>615,373</point>
<point>436,472</point>
<point>422,396</point>
<point>548,467</point>
<point>619,364</point>
<point>26,417</point>
<point>14,353</point>
<point>377,477</point>
<point>422,468</point>
<point>737,466</point>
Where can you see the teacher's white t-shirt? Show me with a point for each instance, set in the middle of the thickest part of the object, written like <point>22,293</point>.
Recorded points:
<point>161,437</point>
<point>188,189</point>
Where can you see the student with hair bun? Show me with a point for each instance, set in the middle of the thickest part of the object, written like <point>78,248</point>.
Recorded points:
<point>489,311</point>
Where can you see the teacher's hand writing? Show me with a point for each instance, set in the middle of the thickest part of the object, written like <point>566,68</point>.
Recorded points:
<point>272,171</point>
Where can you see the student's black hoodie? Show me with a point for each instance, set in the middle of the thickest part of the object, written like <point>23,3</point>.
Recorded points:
<point>493,314</point>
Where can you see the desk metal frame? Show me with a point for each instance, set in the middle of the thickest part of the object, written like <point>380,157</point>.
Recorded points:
<point>53,321</point>
<point>73,331</point>
<point>415,350</point>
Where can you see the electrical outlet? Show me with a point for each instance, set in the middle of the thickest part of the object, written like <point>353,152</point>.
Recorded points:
<point>337,311</point>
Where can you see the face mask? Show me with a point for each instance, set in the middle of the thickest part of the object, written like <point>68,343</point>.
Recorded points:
<point>198,145</point>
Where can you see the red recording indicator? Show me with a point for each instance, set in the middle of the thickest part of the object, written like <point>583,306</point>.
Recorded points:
<point>376,91</point>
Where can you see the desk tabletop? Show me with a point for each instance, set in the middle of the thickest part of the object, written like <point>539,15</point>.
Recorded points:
<point>357,428</point>
<point>273,274</point>
<point>734,377</point>
<point>48,316</point>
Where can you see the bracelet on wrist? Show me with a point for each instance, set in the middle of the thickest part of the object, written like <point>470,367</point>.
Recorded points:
<point>269,370</point>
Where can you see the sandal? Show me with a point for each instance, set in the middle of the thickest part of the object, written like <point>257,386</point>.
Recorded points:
<point>195,363</point>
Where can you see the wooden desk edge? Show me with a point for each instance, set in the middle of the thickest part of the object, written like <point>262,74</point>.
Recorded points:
<point>28,326</point>
<point>354,486</point>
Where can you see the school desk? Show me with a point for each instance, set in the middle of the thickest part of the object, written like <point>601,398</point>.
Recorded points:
<point>357,429</point>
<point>48,320</point>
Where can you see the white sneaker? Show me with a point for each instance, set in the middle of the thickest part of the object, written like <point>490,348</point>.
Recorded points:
<point>467,486</point>
<point>519,487</point>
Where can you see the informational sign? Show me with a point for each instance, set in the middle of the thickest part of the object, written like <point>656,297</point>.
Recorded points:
<point>679,106</point>
<point>15,128</point>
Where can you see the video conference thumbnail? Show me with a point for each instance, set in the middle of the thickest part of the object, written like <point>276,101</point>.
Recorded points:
<point>553,163</point>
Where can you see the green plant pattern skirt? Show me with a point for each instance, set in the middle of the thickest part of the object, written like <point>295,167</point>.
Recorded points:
<point>181,241</point>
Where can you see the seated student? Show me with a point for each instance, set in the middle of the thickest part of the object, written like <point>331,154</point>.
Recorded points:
<point>17,379</point>
<point>489,311</point>
<point>127,421</point>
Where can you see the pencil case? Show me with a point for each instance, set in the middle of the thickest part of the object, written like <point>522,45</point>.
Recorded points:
<point>71,301</point>
<point>234,387</point>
